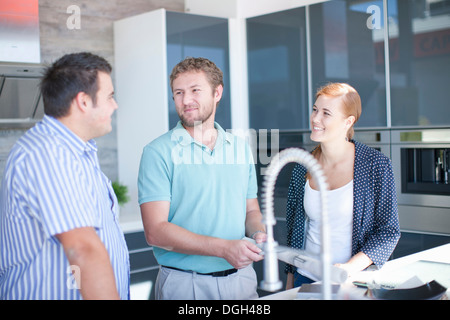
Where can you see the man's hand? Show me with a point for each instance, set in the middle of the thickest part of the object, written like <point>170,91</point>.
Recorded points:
<point>241,253</point>
<point>161,233</point>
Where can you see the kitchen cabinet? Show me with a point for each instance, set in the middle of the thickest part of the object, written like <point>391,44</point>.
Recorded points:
<point>292,53</point>
<point>277,70</point>
<point>419,59</point>
<point>143,266</point>
<point>345,36</point>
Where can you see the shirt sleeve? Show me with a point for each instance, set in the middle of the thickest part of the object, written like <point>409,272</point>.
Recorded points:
<point>154,178</point>
<point>382,238</point>
<point>252,191</point>
<point>58,190</point>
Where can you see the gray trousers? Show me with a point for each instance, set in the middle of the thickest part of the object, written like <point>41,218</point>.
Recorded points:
<point>179,285</point>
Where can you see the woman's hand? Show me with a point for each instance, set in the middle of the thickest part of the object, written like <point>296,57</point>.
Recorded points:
<point>358,262</point>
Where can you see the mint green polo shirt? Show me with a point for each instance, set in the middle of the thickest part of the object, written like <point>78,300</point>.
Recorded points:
<point>207,190</point>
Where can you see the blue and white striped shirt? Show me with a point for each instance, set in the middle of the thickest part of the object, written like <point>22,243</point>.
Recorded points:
<point>52,184</point>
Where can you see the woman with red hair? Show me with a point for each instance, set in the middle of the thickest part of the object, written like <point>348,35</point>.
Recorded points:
<point>363,215</point>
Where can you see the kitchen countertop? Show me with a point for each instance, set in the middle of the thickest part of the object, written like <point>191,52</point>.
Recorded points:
<point>406,272</point>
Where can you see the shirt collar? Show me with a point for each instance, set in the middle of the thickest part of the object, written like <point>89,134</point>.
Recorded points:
<point>182,136</point>
<point>72,140</point>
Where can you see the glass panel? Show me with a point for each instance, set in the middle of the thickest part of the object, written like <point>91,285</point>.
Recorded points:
<point>277,74</point>
<point>199,36</point>
<point>419,41</point>
<point>347,46</point>
<point>18,97</point>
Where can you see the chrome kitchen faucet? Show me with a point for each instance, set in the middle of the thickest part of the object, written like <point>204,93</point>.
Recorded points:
<point>272,251</point>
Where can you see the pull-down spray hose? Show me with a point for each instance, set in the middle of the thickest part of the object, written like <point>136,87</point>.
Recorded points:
<point>271,280</point>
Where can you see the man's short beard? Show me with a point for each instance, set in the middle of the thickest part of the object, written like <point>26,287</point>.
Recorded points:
<point>195,122</point>
<point>190,124</point>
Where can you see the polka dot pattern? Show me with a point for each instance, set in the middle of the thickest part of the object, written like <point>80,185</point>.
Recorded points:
<point>376,229</point>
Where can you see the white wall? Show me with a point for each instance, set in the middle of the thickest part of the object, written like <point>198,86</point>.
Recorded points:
<point>141,91</point>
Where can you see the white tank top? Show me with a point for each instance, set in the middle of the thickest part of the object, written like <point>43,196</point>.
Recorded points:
<point>340,217</point>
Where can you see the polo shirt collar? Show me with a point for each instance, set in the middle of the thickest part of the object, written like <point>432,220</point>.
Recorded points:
<point>183,137</point>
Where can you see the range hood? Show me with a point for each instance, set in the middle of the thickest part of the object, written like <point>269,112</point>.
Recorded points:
<point>20,99</point>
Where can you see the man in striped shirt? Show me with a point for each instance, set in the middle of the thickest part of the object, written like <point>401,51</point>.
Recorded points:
<point>59,231</point>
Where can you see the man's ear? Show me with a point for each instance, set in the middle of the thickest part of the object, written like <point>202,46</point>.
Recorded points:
<point>82,101</point>
<point>218,93</point>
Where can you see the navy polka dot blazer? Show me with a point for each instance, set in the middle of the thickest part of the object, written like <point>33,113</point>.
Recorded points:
<point>376,229</point>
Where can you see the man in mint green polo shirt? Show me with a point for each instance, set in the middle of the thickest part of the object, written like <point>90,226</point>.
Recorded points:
<point>198,196</point>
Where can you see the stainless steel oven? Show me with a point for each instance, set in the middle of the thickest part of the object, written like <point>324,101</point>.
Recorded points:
<point>421,166</point>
